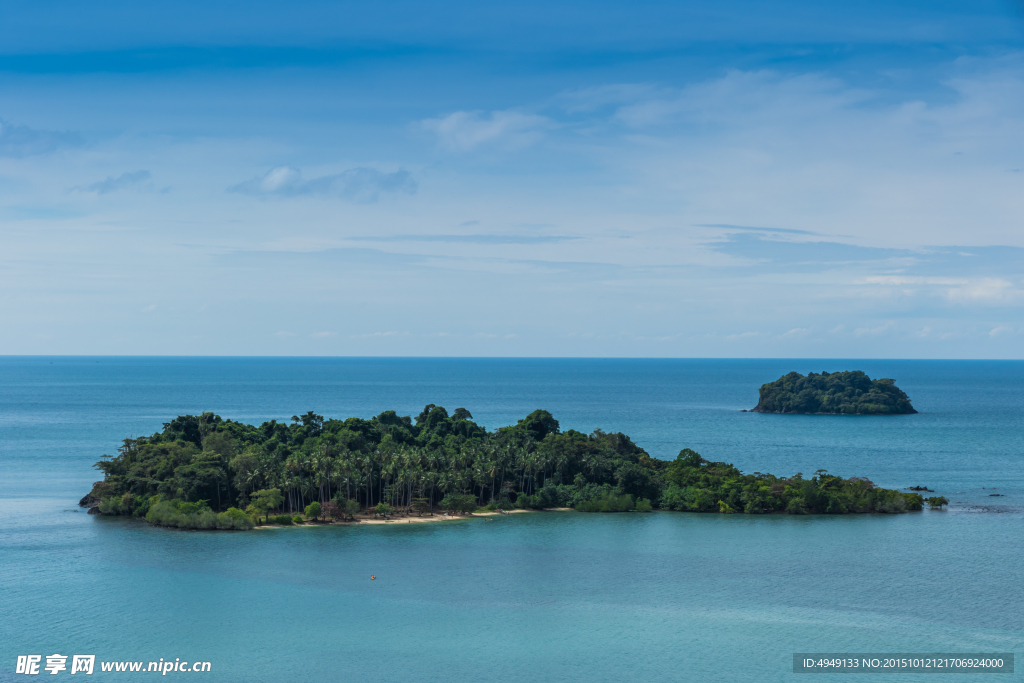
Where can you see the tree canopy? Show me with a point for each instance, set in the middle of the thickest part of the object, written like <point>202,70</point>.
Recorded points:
<point>201,465</point>
<point>835,393</point>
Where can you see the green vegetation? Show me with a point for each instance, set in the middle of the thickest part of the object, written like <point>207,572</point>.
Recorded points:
<point>836,393</point>
<point>197,515</point>
<point>696,485</point>
<point>937,501</point>
<point>613,503</point>
<point>455,502</point>
<point>203,472</point>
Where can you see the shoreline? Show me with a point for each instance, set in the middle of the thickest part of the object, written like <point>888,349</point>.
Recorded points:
<point>374,521</point>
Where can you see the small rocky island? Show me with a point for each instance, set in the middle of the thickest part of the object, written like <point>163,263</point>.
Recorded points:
<point>835,393</point>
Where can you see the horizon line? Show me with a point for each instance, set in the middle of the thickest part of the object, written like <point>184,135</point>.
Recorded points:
<point>398,357</point>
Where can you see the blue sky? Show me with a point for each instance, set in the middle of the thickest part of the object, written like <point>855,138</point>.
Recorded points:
<point>806,179</point>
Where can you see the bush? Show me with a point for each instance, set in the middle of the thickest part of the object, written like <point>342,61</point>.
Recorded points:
<point>297,519</point>
<point>914,500</point>
<point>140,504</point>
<point>938,501</point>
<point>638,481</point>
<point>559,496</point>
<point>894,502</point>
<point>182,515</point>
<point>349,507</point>
<point>644,505</point>
<point>113,506</point>
<point>689,499</point>
<point>609,503</point>
<point>164,513</point>
<point>458,503</point>
<point>796,506</point>
<point>233,518</point>
<point>333,511</point>
<point>126,504</point>
<point>255,512</point>
<point>313,510</point>
<point>284,520</point>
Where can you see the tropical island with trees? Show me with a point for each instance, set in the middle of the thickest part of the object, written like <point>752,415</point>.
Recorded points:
<point>835,393</point>
<point>204,472</point>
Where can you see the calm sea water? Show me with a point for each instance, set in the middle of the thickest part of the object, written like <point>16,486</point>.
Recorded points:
<point>546,596</point>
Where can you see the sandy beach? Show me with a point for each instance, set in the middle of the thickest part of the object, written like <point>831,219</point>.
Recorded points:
<point>401,519</point>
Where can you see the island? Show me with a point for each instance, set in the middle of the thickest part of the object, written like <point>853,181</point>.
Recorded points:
<point>833,393</point>
<point>205,472</point>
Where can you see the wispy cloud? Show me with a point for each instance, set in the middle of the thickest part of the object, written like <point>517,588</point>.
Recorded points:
<point>362,184</point>
<point>740,95</point>
<point>984,290</point>
<point>900,280</point>
<point>747,228</point>
<point>466,130</point>
<point>465,239</point>
<point>22,141</point>
<point>392,333</point>
<point>788,252</point>
<point>612,94</point>
<point>112,184</point>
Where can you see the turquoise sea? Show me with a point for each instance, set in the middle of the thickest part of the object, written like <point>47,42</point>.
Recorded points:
<point>547,596</point>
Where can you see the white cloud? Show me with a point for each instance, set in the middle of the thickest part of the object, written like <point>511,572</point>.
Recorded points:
<point>986,290</point>
<point>466,130</point>
<point>898,280</point>
<point>363,185</point>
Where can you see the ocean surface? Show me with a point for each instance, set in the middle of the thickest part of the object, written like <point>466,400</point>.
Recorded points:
<point>548,596</point>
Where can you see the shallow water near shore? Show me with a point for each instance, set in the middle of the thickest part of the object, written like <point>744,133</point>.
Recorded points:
<point>548,596</point>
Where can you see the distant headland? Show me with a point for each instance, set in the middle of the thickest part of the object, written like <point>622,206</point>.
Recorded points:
<point>833,393</point>
<point>204,472</point>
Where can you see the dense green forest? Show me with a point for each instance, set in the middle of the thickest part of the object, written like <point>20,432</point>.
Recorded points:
<point>201,471</point>
<point>836,393</point>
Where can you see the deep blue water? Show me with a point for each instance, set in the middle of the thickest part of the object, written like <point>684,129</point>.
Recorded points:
<point>545,596</point>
